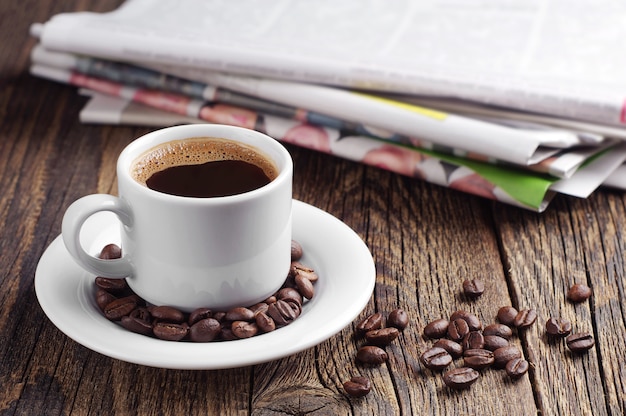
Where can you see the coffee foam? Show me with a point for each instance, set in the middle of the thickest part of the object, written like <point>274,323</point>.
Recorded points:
<point>195,151</point>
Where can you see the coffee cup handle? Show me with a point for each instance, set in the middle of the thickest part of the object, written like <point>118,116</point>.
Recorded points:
<point>76,215</point>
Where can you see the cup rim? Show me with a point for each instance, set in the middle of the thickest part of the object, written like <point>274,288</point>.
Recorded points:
<point>181,132</point>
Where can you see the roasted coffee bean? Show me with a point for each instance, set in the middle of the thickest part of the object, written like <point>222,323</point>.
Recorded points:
<point>205,330</point>
<point>503,355</point>
<point>472,320</point>
<point>558,327</point>
<point>580,342</point>
<point>244,329</point>
<point>299,268</point>
<point>264,322</point>
<point>370,323</point>
<point>371,354</point>
<point>578,293</point>
<point>282,312</point>
<point>289,294</point>
<point>138,321</point>
<point>170,331</point>
<point>120,307</point>
<point>437,328</point>
<point>458,329</point>
<point>382,337</point>
<point>258,308</point>
<point>525,318</point>
<point>436,358</point>
<point>454,348</point>
<point>167,314</point>
<point>516,367</point>
<point>111,285</point>
<point>357,386</point>
<point>110,251</point>
<point>199,314</point>
<point>239,314</point>
<point>478,358</point>
<point>398,318</point>
<point>500,330</point>
<point>473,288</point>
<point>103,298</point>
<point>506,315</point>
<point>227,335</point>
<point>493,342</point>
<point>219,316</point>
<point>304,285</point>
<point>460,378</point>
<point>473,340</point>
<point>296,250</point>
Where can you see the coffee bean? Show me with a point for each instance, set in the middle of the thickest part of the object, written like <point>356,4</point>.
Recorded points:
<point>296,250</point>
<point>579,293</point>
<point>305,286</point>
<point>205,330</point>
<point>506,315</point>
<point>299,268</point>
<point>103,298</point>
<point>478,359</point>
<point>473,288</point>
<point>244,329</point>
<point>357,386</point>
<point>436,358</point>
<point>580,342</point>
<point>371,354</point>
<point>282,312</point>
<point>239,314</point>
<point>382,337</point>
<point>374,321</point>
<point>398,318</point>
<point>257,308</point>
<point>111,285</point>
<point>558,327</point>
<point>493,342</point>
<point>473,340</point>
<point>264,322</point>
<point>120,307</point>
<point>167,314</point>
<point>454,348</point>
<point>525,318</point>
<point>458,329</point>
<point>437,328</point>
<point>170,331</point>
<point>460,378</point>
<point>503,355</point>
<point>138,321</point>
<point>289,294</point>
<point>500,330</point>
<point>516,367</point>
<point>199,314</point>
<point>472,320</point>
<point>110,251</point>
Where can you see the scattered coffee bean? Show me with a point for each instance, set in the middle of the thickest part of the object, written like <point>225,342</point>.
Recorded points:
<point>580,342</point>
<point>503,355</point>
<point>493,342</point>
<point>472,320</point>
<point>282,312</point>
<point>120,307</point>
<point>374,321</point>
<point>478,359</point>
<point>138,321</point>
<point>454,348</point>
<point>516,368</point>
<point>436,358</point>
<point>205,330</point>
<point>170,331</point>
<point>289,294</point>
<point>244,329</point>
<point>458,329</point>
<point>299,268</point>
<point>437,328</point>
<point>371,354</point>
<point>264,322</point>
<point>579,293</point>
<point>296,250</point>
<point>460,378</point>
<point>506,315</point>
<point>473,340</point>
<point>500,330</point>
<point>473,288</point>
<point>357,386</point>
<point>558,327</point>
<point>382,337</point>
<point>304,285</point>
<point>525,318</point>
<point>398,318</point>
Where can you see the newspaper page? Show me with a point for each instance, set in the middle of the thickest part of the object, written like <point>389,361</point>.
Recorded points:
<point>559,57</point>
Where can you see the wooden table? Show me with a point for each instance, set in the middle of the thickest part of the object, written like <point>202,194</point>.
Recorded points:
<point>425,241</point>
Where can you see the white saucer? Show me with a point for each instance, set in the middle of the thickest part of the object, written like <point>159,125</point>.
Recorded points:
<point>339,256</point>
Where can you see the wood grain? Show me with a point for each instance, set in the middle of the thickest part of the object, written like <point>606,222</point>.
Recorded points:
<point>425,241</point>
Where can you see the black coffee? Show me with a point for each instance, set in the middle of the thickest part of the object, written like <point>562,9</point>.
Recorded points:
<point>204,167</point>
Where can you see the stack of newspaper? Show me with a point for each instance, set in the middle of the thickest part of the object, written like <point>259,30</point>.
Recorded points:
<point>515,101</point>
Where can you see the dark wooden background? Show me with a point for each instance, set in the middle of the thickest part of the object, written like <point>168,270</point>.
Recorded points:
<point>425,240</point>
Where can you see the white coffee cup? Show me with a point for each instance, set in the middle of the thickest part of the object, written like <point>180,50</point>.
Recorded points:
<point>191,252</point>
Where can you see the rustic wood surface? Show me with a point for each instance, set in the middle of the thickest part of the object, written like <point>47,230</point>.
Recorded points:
<point>424,239</point>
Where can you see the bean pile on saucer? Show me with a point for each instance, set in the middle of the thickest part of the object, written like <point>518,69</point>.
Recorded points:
<point>120,304</point>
